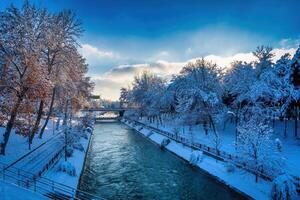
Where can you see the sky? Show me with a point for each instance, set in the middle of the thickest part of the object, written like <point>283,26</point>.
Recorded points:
<point>124,37</point>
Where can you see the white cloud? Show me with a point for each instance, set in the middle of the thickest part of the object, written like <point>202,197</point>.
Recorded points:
<point>97,57</point>
<point>109,84</point>
<point>287,43</point>
<point>91,51</point>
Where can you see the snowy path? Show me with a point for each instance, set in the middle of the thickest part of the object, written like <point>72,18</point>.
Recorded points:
<point>290,150</point>
<point>18,145</point>
<point>35,161</point>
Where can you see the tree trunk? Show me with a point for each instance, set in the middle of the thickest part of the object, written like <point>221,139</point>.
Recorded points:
<point>296,126</point>
<point>65,128</point>
<point>37,123</point>
<point>212,124</point>
<point>285,127</point>
<point>10,123</point>
<point>49,113</point>
<point>57,124</point>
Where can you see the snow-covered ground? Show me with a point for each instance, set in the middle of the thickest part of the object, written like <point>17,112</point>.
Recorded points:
<point>17,145</point>
<point>238,179</point>
<point>290,145</point>
<point>12,192</point>
<point>52,144</point>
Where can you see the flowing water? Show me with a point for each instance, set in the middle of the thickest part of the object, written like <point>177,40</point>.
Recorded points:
<point>121,164</point>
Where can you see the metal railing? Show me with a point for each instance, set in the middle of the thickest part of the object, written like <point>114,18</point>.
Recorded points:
<point>213,152</point>
<point>41,185</point>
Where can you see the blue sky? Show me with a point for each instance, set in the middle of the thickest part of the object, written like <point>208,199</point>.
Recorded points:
<point>136,33</point>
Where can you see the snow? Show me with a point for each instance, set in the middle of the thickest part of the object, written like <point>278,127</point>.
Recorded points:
<point>12,192</point>
<point>284,188</point>
<point>240,180</point>
<point>290,146</point>
<point>76,160</point>
<point>196,157</point>
<point>18,145</point>
<point>68,168</point>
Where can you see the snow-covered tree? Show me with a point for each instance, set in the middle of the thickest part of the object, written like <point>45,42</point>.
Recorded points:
<point>256,147</point>
<point>295,79</point>
<point>283,188</point>
<point>237,81</point>
<point>38,54</point>
<point>264,57</point>
<point>198,93</point>
<point>146,90</point>
<point>21,35</point>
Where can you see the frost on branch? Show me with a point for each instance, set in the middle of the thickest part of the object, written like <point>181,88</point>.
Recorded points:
<point>283,188</point>
<point>257,149</point>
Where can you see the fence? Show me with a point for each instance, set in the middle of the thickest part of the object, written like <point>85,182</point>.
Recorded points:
<point>213,152</point>
<point>41,185</point>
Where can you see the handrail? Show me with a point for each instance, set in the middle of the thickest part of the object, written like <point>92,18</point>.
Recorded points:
<point>213,152</point>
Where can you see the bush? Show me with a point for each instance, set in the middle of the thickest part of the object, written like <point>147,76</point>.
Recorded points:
<point>164,142</point>
<point>68,168</point>
<point>84,135</point>
<point>89,129</point>
<point>283,188</point>
<point>149,134</point>
<point>69,151</point>
<point>196,157</point>
<point>78,146</point>
<point>230,167</point>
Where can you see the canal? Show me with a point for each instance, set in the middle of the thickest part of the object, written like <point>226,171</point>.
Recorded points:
<point>121,164</point>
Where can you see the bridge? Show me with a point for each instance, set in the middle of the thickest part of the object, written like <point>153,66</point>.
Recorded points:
<point>106,109</point>
<point>119,110</point>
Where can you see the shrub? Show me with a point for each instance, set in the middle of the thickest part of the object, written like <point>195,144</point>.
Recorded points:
<point>78,146</point>
<point>68,168</point>
<point>196,157</point>
<point>230,167</point>
<point>69,151</point>
<point>283,188</point>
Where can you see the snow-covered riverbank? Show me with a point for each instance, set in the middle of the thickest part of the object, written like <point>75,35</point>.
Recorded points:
<point>44,150</point>
<point>77,160</point>
<point>12,192</point>
<point>236,178</point>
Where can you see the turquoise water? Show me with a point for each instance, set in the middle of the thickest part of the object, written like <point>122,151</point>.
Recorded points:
<point>121,164</point>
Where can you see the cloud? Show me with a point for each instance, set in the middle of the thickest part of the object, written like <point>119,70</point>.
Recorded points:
<point>91,51</point>
<point>287,43</point>
<point>100,60</point>
<point>109,84</point>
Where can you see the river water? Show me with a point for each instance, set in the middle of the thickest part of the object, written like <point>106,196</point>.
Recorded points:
<point>121,164</point>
